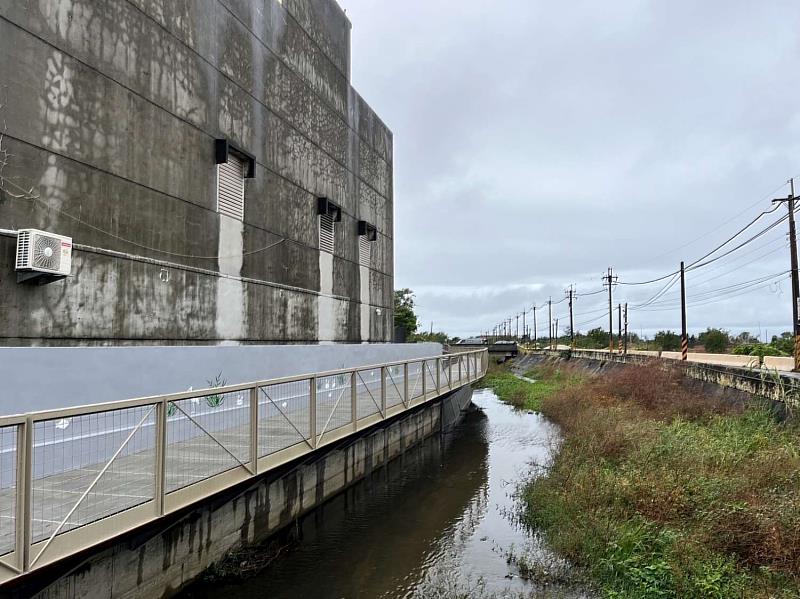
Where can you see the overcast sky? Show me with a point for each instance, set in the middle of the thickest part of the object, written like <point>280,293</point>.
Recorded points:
<point>538,143</point>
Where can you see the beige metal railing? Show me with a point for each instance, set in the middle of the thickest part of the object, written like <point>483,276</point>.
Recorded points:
<point>75,477</point>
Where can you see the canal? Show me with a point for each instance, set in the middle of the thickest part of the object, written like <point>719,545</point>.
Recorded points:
<point>437,522</point>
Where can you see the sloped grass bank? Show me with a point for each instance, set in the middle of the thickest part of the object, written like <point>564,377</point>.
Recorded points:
<point>549,379</point>
<point>660,493</point>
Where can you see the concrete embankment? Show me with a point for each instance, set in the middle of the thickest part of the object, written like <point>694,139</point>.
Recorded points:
<point>732,385</point>
<point>159,559</point>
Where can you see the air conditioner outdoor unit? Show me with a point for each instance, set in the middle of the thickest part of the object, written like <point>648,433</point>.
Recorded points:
<point>43,252</point>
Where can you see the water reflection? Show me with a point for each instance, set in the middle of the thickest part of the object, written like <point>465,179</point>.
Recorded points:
<point>442,510</point>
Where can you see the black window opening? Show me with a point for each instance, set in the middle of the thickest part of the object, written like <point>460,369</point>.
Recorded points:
<point>329,213</point>
<point>367,235</point>
<point>233,167</point>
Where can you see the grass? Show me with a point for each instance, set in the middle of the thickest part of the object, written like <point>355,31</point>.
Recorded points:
<point>523,394</point>
<point>660,493</point>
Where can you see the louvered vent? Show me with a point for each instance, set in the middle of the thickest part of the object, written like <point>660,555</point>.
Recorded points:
<point>230,187</point>
<point>326,233</point>
<point>23,250</point>
<point>364,251</point>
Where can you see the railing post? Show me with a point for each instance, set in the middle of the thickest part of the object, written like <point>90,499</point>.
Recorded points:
<point>407,399</point>
<point>469,359</point>
<point>383,391</point>
<point>438,376</point>
<point>254,430</point>
<point>24,493</point>
<point>424,380</point>
<point>312,404</point>
<point>353,400</point>
<point>460,374</point>
<point>162,409</point>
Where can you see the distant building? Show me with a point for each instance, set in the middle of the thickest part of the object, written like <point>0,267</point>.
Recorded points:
<point>221,180</point>
<point>472,341</point>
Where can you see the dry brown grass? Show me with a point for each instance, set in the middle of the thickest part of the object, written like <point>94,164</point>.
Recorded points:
<point>710,491</point>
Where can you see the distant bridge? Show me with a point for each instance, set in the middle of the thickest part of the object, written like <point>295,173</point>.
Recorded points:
<point>507,349</point>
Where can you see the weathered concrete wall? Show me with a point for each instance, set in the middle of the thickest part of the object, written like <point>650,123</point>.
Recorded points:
<point>111,111</point>
<point>159,560</point>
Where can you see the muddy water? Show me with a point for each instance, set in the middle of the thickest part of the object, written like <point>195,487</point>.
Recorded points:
<point>435,521</point>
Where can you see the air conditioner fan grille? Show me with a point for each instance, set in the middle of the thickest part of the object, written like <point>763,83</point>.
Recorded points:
<point>47,252</point>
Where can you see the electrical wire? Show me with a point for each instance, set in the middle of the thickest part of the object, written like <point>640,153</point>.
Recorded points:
<point>37,201</point>
<point>767,196</point>
<point>782,247</point>
<point>590,293</point>
<point>722,291</point>
<point>705,260</point>
<point>697,264</point>
<point>716,299</point>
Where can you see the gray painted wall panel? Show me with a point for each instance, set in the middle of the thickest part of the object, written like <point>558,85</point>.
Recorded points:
<point>79,376</point>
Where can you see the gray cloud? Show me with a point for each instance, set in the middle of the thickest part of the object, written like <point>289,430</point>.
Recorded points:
<point>537,143</point>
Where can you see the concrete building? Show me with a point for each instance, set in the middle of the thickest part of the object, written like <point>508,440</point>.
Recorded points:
<point>222,181</point>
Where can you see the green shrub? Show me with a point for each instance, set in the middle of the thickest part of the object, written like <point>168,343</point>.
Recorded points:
<point>660,493</point>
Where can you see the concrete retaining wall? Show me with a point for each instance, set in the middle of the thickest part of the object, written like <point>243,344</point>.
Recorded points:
<point>159,560</point>
<point>779,363</point>
<point>773,362</point>
<point>774,386</point>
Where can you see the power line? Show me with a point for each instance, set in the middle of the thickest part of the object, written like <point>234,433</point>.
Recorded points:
<point>698,263</point>
<point>723,291</point>
<point>715,295</point>
<point>722,224</point>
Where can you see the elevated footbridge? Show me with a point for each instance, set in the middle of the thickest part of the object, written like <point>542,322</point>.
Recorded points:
<point>74,478</point>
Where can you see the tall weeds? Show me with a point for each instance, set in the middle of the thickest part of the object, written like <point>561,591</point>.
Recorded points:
<point>664,493</point>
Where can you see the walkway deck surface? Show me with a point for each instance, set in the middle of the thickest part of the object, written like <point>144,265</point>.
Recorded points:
<point>199,446</point>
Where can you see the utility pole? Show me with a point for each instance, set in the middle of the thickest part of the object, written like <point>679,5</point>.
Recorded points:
<point>550,320</point>
<point>516,333</point>
<point>626,328</point>
<point>684,333</point>
<point>556,335</point>
<point>610,279</point>
<point>619,328</point>
<point>524,327</point>
<point>571,320</point>
<point>535,331</point>
<point>795,280</point>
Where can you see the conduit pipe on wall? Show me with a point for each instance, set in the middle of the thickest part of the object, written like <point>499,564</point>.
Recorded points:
<point>194,269</point>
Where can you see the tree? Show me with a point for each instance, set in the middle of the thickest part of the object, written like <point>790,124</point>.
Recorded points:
<point>784,343</point>
<point>757,349</point>
<point>438,337</point>
<point>404,315</point>
<point>597,338</point>
<point>745,338</point>
<point>716,341</point>
<point>667,341</point>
